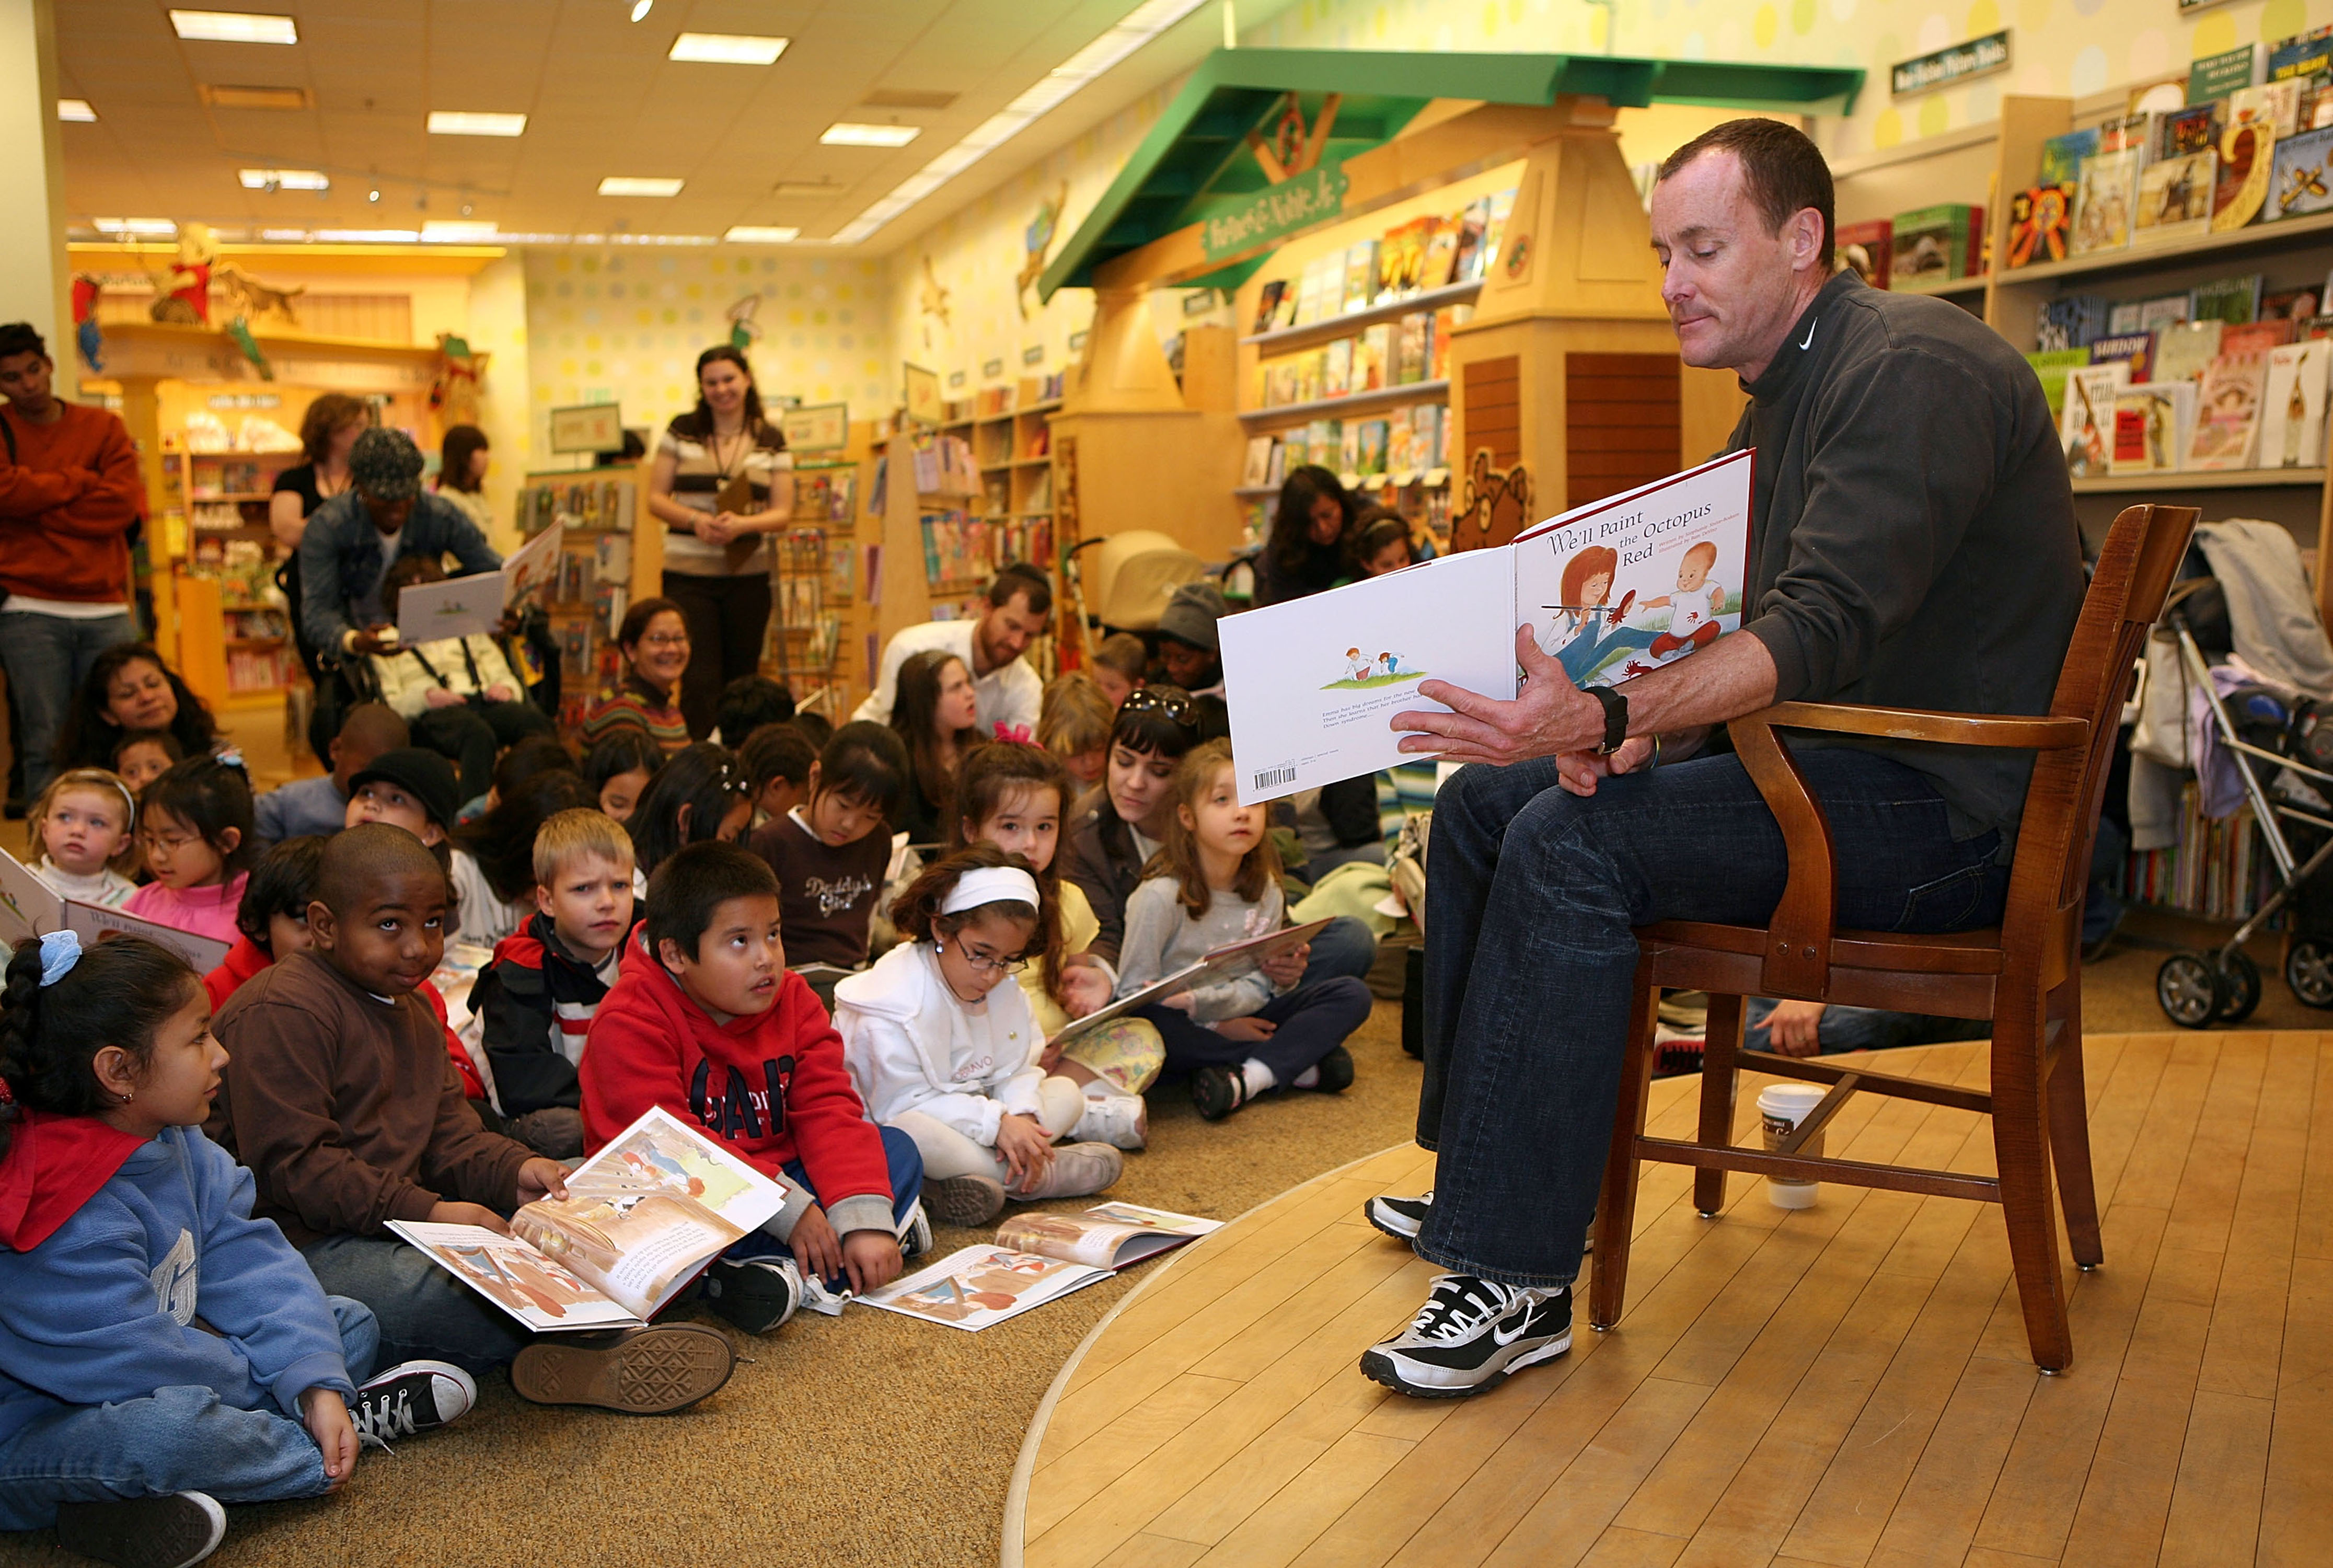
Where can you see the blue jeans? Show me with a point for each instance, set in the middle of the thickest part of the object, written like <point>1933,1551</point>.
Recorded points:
<point>1345,947</point>
<point>175,1439</point>
<point>1309,1022</point>
<point>425,1313</point>
<point>1534,892</point>
<point>1865,1028</point>
<point>47,658</point>
<point>906,1185</point>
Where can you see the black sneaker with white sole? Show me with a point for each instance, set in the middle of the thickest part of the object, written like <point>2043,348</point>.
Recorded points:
<point>757,1295</point>
<point>173,1532</point>
<point>411,1399</point>
<point>1469,1335</point>
<point>1399,1217</point>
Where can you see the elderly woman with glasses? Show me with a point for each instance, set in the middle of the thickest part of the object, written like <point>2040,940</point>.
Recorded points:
<point>654,640</point>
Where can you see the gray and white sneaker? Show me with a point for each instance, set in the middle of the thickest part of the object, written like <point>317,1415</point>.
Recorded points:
<point>1120,1120</point>
<point>915,1235</point>
<point>1399,1217</point>
<point>1469,1335</point>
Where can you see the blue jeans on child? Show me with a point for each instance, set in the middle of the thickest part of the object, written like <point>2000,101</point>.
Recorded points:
<point>425,1313</point>
<point>1344,946</point>
<point>177,1440</point>
<point>907,1186</point>
<point>1533,896</point>
<point>1865,1028</point>
<point>1311,1021</point>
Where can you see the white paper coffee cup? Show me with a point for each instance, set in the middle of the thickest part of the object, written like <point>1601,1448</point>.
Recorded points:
<point>1780,1107</point>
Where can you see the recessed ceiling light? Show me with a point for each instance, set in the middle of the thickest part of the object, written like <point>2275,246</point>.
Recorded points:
<point>727,48</point>
<point>283,179</point>
<point>368,235</point>
<point>760,234</point>
<point>464,122</point>
<point>133,226</point>
<point>283,236</point>
<point>76,109</point>
<point>456,231</point>
<point>843,133</point>
<point>220,95</point>
<point>233,27</point>
<point>639,185</point>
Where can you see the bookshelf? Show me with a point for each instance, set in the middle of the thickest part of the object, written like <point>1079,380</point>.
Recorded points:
<point>611,554</point>
<point>818,587</point>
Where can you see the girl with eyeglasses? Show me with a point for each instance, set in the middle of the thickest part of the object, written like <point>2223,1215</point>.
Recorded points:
<point>196,831</point>
<point>943,1047</point>
<point>654,640</point>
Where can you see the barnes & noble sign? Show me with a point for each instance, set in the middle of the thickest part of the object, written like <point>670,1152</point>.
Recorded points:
<point>1951,67</point>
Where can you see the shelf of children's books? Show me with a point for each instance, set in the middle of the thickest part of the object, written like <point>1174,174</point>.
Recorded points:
<point>1350,403</point>
<point>1041,460</point>
<point>1340,326</point>
<point>229,496</point>
<point>1027,514</point>
<point>1943,290</point>
<point>2287,234</point>
<point>2201,479</point>
<point>1402,479</point>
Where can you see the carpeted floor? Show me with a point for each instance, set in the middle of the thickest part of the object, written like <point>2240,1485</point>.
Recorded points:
<point>873,1438</point>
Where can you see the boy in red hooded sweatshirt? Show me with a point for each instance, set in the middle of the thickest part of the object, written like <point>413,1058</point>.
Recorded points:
<point>708,1022</point>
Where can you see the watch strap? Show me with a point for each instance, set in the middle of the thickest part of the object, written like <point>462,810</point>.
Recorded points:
<point>1616,717</point>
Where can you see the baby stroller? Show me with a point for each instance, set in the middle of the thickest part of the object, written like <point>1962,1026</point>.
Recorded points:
<point>2290,744</point>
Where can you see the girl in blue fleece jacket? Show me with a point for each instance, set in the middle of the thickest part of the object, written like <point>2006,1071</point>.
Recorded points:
<point>160,1351</point>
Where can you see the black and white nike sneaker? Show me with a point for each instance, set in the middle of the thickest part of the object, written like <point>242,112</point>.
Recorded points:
<point>1399,1217</point>
<point>1469,1335</point>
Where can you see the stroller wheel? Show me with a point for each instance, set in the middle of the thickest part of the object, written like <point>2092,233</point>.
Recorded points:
<point>2309,970</point>
<point>2189,989</point>
<point>2240,987</point>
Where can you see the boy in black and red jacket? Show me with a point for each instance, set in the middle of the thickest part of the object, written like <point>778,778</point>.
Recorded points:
<point>708,1023</point>
<point>535,1001</point>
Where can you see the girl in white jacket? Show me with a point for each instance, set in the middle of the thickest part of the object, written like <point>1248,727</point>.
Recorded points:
<point>944,1049</point>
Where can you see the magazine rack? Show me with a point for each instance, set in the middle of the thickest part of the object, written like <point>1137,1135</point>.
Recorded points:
<point>2024,975</point>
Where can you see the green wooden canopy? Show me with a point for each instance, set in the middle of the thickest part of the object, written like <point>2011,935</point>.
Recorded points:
<point>1195,163</point>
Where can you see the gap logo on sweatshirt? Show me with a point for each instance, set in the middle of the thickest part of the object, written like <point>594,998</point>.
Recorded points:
<point>741,1111</point>
<point>175,1278</point>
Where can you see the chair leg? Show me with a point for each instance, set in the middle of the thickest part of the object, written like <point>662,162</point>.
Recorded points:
<point>2021,1145</point>
<point>2070,1132</point>
<point>1616,1205</point>
<point>1718,1078</point>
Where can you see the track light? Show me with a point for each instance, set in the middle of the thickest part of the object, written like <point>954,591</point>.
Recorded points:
<point>641,8</point>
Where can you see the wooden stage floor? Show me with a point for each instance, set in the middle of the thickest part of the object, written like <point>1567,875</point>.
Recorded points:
<point>1843,1385</point>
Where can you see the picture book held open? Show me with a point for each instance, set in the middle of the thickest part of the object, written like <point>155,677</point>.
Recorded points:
<point>1611,590</point>
<point>29,906</point>
<point>639,1220</point>
<point>473,606</point>
<point>1231,957</point>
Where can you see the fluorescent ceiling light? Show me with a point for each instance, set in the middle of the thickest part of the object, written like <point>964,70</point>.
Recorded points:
<point>760,234</point>
<point>1137,28</point>
<point>76,109</point>
<point>133,226</point>
<point>283,179</point>
<point>639,185</point>
<point>843,133</point>
<point>281,236</point>
<point>464,122</point>
<point>458,231</point>
<point>727,48</point>
<point>233,27</point>
<point>368,235</point>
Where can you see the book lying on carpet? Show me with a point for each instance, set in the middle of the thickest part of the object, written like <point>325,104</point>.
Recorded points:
<point>29,906</point>
<point>1611,590</point>
<point>981,1286</point>
<point>1231,957</point>
<point>1108,1235</point>
<point>639,1220</point>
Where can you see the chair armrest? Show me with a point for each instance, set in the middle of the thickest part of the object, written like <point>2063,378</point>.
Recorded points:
<point>2035,734</point>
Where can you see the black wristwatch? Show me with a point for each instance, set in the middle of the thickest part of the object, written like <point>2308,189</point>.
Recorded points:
<point>1616,717</point>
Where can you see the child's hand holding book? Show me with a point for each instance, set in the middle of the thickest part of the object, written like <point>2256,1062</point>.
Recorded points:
<point>478,1213</point>
<point>540,1178</point>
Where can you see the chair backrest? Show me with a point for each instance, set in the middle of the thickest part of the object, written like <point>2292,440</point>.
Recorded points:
<point>2134,573</point>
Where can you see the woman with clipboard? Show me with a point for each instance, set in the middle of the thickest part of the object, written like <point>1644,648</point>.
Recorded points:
<point>721,480</point>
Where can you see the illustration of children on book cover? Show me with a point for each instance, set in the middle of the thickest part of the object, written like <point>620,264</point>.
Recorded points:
<point>1365,671</point>
<point>1610,623</point>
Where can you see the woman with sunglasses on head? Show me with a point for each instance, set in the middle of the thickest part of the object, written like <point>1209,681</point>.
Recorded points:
<point>720,481</point>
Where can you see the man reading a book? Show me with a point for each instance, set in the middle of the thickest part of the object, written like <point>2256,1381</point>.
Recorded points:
<point>1912,544</point>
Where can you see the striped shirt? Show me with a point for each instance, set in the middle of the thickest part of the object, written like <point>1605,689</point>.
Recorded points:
<point>640,705</point>
<point>697,483</point>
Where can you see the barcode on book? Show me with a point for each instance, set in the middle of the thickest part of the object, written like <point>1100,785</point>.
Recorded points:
<point>1267,777</point>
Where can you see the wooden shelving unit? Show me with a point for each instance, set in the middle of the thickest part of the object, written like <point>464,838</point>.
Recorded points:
<point>1433,391</point>
<point>2225,479</point>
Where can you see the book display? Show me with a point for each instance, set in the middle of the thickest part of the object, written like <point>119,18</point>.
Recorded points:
<point>598,568</point>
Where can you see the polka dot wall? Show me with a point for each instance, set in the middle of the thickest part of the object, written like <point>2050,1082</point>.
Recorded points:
<point>625,324</point>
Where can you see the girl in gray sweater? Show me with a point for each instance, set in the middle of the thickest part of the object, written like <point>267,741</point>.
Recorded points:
<point>1215,881</point>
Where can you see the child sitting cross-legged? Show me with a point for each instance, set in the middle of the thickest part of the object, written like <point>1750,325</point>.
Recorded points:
<point>707,1023</point>
<point>1215,881</point>
<point>535,1001</point>
<point>340,1097</point>
<point>831,852</point>
<point>83,824</point>
<point>196,833</point>
<point>161,1351</point>
<point>945,1049</point>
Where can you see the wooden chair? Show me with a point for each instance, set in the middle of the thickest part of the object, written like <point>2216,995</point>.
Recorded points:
<point>2024,975</point>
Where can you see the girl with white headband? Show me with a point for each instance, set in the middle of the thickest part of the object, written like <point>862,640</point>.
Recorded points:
<point>84,825</point>
<point>944,1049</point>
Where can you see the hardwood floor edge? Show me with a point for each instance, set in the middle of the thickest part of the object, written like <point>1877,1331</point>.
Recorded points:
<point>1010,1546</point>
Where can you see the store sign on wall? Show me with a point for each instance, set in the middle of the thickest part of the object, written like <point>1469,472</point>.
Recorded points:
<point>1272,214</point>
<point>1951,67</point>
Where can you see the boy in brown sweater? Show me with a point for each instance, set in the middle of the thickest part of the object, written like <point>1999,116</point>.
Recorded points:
<point>340,1097</point>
